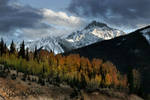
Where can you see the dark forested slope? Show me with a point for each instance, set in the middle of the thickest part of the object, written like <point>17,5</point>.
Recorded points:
<point>132,50</point>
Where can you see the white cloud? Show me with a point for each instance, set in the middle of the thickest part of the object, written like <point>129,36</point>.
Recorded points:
<point>34,34</point>
<point>60,22</point>
<point>61,19</point>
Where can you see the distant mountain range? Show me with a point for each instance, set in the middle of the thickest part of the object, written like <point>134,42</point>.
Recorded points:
<point>92,33</point>
<point>132,50</point>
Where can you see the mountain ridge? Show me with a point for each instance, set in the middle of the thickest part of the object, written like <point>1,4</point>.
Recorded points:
<point>92,33</point>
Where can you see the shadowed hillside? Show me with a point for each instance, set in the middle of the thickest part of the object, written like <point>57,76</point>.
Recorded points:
<point>131,50</point>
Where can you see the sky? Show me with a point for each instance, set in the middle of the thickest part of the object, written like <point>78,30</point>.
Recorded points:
<point>34,19</point>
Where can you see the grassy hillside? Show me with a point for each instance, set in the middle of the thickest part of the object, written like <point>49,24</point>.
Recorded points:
<point>21,90</point>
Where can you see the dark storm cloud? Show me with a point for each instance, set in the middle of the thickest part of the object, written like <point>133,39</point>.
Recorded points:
<point>14,16</point>
<point>116,12</point>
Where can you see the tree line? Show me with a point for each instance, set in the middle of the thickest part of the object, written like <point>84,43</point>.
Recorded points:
<point>74,70</point>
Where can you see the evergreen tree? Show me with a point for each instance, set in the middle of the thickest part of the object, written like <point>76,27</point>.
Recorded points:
<point>22,50</point>
<point>1,46</point>
<point>27,54</point>
<point>134,81</point>
<point>5,48</point>
<point>12,48</point>
<point>35,53</point>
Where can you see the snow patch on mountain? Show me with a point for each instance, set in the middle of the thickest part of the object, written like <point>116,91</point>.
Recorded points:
<point>48,43</point>
<point>54,44</point>
<point>146,34</point>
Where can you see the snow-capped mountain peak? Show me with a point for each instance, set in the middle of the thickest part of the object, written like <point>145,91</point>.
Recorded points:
<point>94,24</point>
<point>92,33</point>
